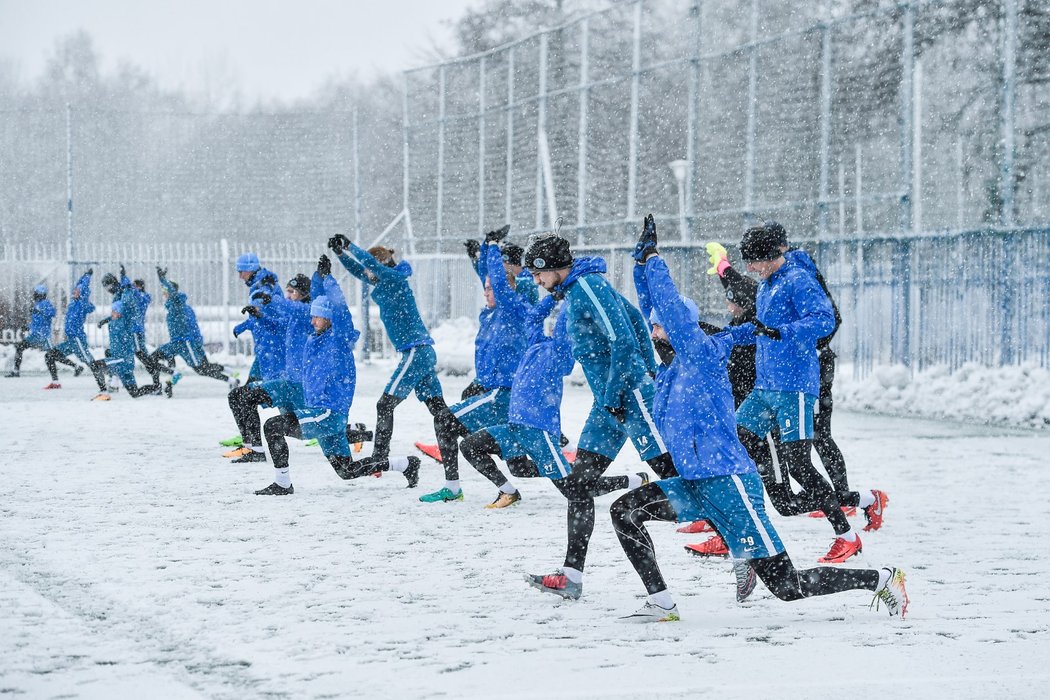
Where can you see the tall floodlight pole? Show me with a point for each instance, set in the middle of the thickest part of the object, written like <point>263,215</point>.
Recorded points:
<point>680,168</point>
<point>70,247</point>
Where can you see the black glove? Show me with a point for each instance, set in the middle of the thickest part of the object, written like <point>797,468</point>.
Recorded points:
<point>90,271</point>
<point>103,321</point>
<point>268,281</point>
<point>251,311</point>
<point>558,294</point>
<point>264,297</point>
<point>162,272</point>
<point>324,266</point>
<point>761,329</point>
<point>497,235</point>
<point>646,242</point>
<point>473,248</point>
<point>335,243</point>
<point>619,413</point>
<point>123,274</point>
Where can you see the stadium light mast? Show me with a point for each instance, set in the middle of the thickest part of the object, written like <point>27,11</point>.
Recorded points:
<point>680,168</point>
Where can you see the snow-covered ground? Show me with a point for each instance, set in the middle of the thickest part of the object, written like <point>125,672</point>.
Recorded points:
<point>135,562</point>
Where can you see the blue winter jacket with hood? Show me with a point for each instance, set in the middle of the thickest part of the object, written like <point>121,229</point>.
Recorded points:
<point>294,317</point>
<point>79,309</point>
<point>40,319</point>
<point>393,295</point>
<point>329,373</point>
<point>535,397</point>
<point>693,408</point>
<point>604,340</point>
<point>268,332</point>
<point>524,284</point>
<point>182,321</point>
<point>501,338</point>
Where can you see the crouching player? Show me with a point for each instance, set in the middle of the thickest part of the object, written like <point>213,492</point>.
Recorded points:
<point>120,361</point>
<point>693,410</point>
<point>329,378</point>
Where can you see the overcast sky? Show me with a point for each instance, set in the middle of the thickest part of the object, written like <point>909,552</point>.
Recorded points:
<point>273,48</point>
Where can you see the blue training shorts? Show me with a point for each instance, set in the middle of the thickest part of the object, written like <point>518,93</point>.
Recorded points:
<point>123,368</point>
<point>415,371</point>
<point>606,436</point>
<point>734,504</point>
<point>538,445</point>
<point>32,340</point>
<point>483,410</point>
<point>326,426</point>
<point>790,411</point>
<point>284,394</point>
<point>77,345</point>
<point>192,351</point>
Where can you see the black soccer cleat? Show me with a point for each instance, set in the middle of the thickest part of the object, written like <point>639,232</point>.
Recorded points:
<point>412,472</point>
<point>78,370</point>
<point>168,388</point>
<point>276,489</point>
<point>252,456</point>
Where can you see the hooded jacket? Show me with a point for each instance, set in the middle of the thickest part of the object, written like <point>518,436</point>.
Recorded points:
<point>801,259</point>
<point>79,309</point>
<point>535,397</point>
<point>329,373</point>
<point>603,339</point>
<point>501,339</point>
<point>182,321</point>
<point>268,332</point>
<point>294,318</point>
<point>40,319</point>
<point>393,295</point>
<point>693,407</point>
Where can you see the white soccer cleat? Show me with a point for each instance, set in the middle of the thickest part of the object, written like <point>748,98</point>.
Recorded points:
<point>651,612</point>
<point>893,593</point>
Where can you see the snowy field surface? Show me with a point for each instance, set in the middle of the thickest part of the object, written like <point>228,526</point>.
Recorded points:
<point>135,562</point>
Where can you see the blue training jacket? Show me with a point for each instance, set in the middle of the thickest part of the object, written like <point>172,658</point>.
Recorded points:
<point>182,322</point>
<point>791,301</point>
<point>294,317</point>
<point>535,397</point>
<point>501,339</point>
<point>329,372</point>
<point>524,284</point>
<point>603,338</point>
<point>693,408</point>
<point>268,332</point>
<point>393,295</point>
<point>40,319</point>
<point>122,335</point>
<point>79,309</point>
<point>255,283</point>
<point>143,300</point>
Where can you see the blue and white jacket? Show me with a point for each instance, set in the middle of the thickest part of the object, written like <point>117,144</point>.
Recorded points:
<point>182,321</point>
<point>535,397</point>
<point>40,319</point>
<point>329,372</point>
<point>79,309</point>
<point>501,339</point>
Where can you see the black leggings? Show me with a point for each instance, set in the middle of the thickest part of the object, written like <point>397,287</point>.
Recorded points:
<point>478,449</point>
<point>159,362</point>
<point>53,356</point>
<point>449,430</point>
<point>795,458</point>
<point>244,404</point>
<point>828,451</point>
<point>276,430</point>
<point>631,511</point>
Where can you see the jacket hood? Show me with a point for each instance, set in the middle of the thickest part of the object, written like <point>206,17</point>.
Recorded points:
<point>404,268</point>
<point>581,267</point>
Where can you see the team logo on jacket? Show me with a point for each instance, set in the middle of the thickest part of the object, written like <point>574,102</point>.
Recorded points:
<point>539,263</point>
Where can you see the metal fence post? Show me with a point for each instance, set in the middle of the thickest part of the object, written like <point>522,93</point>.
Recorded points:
<point>481,146</point>
<point>541,128</point>
<point>510,137</point>
<point>227,328</point>
<point>362,287</point>
<point>752,88</point>
<point>71,252</point>
<point>632,146</point>
<point>693,127</point>
<point>1006,166</point>
<point>825,129</point>
<point>441,156</point>
<point>405,182</point>
<point>581,163</point>
<point>905,118</point>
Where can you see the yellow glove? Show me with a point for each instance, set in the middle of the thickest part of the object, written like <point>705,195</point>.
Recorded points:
<point>718,257</point>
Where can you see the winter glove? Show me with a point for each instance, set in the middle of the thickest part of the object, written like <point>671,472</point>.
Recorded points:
<point>123,274</point>
<point>646,242</point>
<point>103,322</point>
<point>473,248</point>
<point>90,271</point>
<point>162,272</point>
<point>263,297</point>
<point>324,266</point>
<point>762,329</point>
<point>718,257</point>
<point>251,311</point>
<point>337,243</point>
<point>268,281</point>
<point>497,235</point>
<point>619,413</point>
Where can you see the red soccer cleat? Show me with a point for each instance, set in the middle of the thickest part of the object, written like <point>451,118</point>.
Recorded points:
<point>714,547</point>
<point>840,551</point>
<point>696,528</point>
<point>848,511</point>
<point>53,385</point>
<point>570,456</point>
<point>874,512</point>
<point>431,451</point>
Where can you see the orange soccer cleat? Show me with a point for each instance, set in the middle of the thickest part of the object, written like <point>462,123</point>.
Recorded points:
<point>714,547</point>
<point>841,550</point>
<point>874,512</point>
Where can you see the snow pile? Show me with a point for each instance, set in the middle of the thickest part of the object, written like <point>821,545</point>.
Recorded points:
<point>454,343</point>
<point>1016,396</point>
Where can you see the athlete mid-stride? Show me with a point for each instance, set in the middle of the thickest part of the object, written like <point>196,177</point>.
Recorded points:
<point>39,335</point>
<point>718,481</point>
<point>76,343</point>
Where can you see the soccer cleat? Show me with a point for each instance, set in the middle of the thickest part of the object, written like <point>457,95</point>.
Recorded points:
<point>840,551</point>
<point>235,441</point>
<point>312,442</point>
<point>746,579</point>
<point>53,385</point>
<point>232,381</point>
<point>714,547</point>
<point>570,456</point>
<point>167,388</point>
<point>412,473</point>
<point>893,593</point>
<point>13,374</point>
<point>175,377</point>
<point>644,476</point>
<point>442,495</point>
<point>503,500</point>
<point>874,512</point>
<point>237,452</point>
<point>651,612</point>
<point>102,396</point>
<point>251,456</point>
<point>276,489</point>
<point>848,511</point>
<point>696,528</point>
<point>78,370</point>
<point>431,451</point>
<point>557,583</point>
